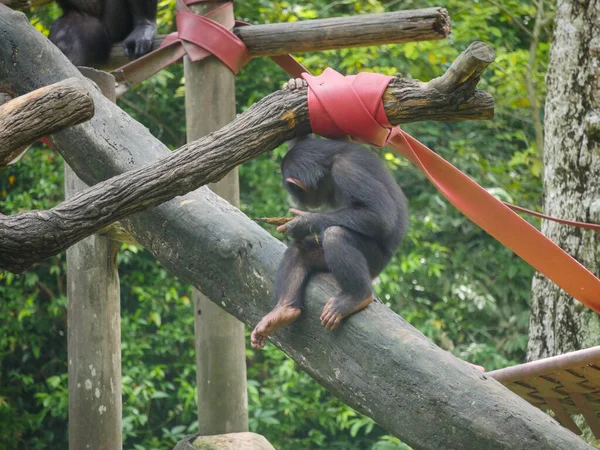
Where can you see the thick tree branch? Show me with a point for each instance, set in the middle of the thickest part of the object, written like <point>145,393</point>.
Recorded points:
<point>34,235</point>
<point>376,363</point>
<point>25,119</point>
<point>465,71</point>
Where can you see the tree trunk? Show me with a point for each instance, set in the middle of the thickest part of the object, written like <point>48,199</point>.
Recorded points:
<point>558,323</point>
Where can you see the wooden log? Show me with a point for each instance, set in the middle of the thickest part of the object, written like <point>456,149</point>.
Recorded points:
<point>220,339</point>
<point>29,237</point>
<point>94,327</point>
<point>376,362</point>
<point>328,34</point>
<point>466,63</point>
<point>27,118</point>
<point>116,232</point>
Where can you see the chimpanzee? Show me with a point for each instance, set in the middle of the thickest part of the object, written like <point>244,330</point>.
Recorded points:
<point>364,218</point>
<point>88,28</point>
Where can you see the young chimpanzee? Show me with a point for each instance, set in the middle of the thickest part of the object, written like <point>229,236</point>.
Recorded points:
<point>87,29</point>
<point>354,238</point>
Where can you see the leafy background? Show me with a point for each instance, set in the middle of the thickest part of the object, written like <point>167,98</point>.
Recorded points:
<point>452,281</point>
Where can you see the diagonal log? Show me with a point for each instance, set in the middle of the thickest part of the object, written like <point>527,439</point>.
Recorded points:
<point>46,110</point>
<point>376,363</point>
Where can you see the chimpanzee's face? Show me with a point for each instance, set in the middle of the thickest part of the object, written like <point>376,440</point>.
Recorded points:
<point>303,197</point>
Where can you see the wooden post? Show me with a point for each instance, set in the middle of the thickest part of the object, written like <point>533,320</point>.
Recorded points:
<point>220,340</point>
<point>94,328</point>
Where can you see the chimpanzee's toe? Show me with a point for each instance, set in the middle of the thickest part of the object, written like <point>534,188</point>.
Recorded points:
<point>280,317</point>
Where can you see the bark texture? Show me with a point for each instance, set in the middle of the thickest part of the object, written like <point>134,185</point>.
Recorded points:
<point>376,362</point>
<point>559,323</point>
<point>47,110</point>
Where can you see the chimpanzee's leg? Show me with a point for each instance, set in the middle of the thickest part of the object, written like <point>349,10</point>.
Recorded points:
<point>292,276</point>
<point>81,37</point>
<point>354,261</point>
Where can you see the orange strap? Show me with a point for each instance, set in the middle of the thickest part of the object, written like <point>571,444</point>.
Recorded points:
<point>199,36</point>
<point>352,106</point>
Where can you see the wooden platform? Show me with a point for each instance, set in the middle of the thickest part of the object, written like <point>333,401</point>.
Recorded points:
<point>566,384</point>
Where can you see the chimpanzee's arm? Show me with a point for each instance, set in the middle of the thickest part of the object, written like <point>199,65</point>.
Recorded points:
<point>363,220</point>
<point>367,204</point>
<point>143,11</point>
<point>371,208</point>
<point>139,41</point>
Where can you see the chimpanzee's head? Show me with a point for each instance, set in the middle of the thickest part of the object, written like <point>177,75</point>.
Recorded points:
<point>306,171</point>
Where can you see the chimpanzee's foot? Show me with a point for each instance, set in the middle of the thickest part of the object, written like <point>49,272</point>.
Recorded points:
<point>280,317</point>
<point>337,308</point>
<point>479,368</point>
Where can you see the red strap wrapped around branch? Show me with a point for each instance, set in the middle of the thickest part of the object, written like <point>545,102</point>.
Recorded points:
<point>202,36</point>
<point>199,36</point>
<point>352,106</point>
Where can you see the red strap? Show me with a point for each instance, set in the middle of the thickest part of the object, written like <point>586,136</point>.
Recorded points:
<point>210,34</point>
<point>352,106</point>
<point>44,140</point>
<point>198,37</point>
<point>573,223</point>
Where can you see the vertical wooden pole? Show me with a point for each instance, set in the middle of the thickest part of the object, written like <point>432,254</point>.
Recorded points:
<point>220,342</point>
<point>94,328</point>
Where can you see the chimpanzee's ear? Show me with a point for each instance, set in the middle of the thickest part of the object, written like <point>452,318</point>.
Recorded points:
<point>296,182</point>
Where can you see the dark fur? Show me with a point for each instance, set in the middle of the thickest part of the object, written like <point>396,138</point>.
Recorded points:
<point>87,29</point>
<point>356,236</point>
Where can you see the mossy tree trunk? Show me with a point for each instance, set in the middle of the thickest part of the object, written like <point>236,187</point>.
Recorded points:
<point>571,176</point>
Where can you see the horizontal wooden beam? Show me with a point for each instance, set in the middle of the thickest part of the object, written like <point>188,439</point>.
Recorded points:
<point>47,110</point>
<point>328,34</point>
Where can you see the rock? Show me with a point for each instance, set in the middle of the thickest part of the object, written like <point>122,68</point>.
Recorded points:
<point>231,441</point>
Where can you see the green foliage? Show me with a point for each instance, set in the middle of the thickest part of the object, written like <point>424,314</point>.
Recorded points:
<point>461,288</point>
<point>294,413</point>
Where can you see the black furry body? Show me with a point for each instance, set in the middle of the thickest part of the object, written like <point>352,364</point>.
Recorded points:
<point>87,29</point>
<point>354,238</point>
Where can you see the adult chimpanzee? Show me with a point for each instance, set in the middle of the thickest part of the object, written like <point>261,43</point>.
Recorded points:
<point>354,238</point>
<point>88,28</point>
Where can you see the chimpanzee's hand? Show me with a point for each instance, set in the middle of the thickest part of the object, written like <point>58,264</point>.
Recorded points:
<point>139,41</point>
<point>300,226</point>
<point>294,84</point>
